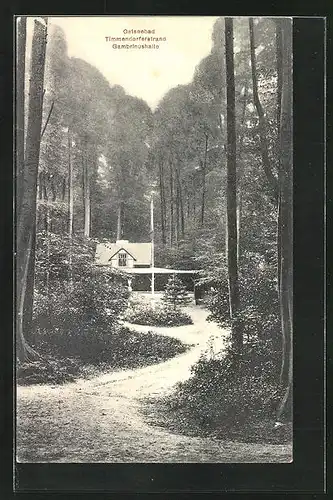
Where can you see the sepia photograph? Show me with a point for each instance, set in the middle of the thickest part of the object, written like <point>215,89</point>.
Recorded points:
<point>153,239</point>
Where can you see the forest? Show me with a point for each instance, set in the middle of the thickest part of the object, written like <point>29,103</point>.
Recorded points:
<point>216,154</point>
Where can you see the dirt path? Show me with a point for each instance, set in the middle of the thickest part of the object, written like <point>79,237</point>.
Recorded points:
<point>99,420</point>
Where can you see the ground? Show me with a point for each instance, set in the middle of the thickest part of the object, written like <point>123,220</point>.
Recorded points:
<point>99,420</point>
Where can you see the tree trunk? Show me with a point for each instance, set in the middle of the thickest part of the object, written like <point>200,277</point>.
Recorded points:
<point>20,100</point>
<point>286,219</point>
<point>70,207</point>
<point>279,69</point>
<point>204,182</point>
<point>262,121</point>
<point>120,218</point>
<point>181,204</point>
<point>240,174</point>
<point>86,197</point>
<point>162,198</point>
<point>278,39</point>
<point>29,297</point>
<point>237,337</point>
<point>171,221</point>
<point>26,219</point>
<point>177,214</point>
<point>239,222</point>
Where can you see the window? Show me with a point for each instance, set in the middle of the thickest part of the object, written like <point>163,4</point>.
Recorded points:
<point>122,260</point>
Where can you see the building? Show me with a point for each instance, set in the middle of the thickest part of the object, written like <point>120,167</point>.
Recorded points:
<point>124,255</point>
<point>135,259</point>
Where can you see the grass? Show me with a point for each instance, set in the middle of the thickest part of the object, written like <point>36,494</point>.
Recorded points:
<point>124,349</point>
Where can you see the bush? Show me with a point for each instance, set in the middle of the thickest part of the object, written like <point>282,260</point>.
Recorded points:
<point>156,315</point>
<point>229,398</point>
<point>259,313</point>
<point>175,293</point>
<point>80,353</point>
<point>98,298</point>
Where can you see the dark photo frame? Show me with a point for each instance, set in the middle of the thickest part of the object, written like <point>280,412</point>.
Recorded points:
<point>307,472</point>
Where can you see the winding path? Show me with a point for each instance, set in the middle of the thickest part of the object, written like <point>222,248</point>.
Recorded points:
<point>99,420</point>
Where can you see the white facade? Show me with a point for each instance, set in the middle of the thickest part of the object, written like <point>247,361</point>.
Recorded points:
<point>123,254</point>
<point>122,259</point>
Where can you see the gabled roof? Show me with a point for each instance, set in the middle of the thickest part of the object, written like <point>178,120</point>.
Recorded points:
<point>141,252</point>
<point>124,249</point>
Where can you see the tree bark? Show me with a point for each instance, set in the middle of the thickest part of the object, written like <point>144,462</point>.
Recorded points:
<point>262,120</point>
<point>279,70</point>
<point>171,221</point>
<point>177,214</point>
<point>240,174</point>
<point>237,337</point>
<point>86,196</point>
<point>286,219</point>
<point>26,217</point>
<point>20,101</point>
<point>162,198</point>
<point>181,204</point>
<point>70,207</point>
<point>204,182</point>
<point>278,38</point>
<point>120,216</point>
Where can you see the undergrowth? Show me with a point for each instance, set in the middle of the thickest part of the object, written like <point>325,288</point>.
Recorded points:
<point>230,398</point>
<point>67,356</point>
<point>159,314</point>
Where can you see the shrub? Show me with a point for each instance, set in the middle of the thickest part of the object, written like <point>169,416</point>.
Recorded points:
<point>259,312</point>
<point>232,397</point>
<point>156,315</point>
<point>98,298</point>
<point>175,293</point>
<point>79,353</point>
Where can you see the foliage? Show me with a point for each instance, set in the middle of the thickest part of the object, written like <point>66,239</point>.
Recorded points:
<point>143,313</point>
<point>175,293</point>
<point>85,352</point>
<point>245,392</point>
<point>259,314</point>
<point>71,292</point>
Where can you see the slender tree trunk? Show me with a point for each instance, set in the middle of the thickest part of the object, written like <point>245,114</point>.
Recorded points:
<point>177,214</point>
<point>279,69</point>
<point>120,218</point>
<point>181,204</point>
<point>240,174</point>
<point>29,297</point>
<point>239,222</point>
<point>237,337</point>
<point>53,189</point>
<point>70,206</point>
<point>204,182</point>
<point>262,121</point>
<point>286,219</point>
<point>162,198</point>
<point>86,195</point>
<point>26,217</point>
<point>171,221</point>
